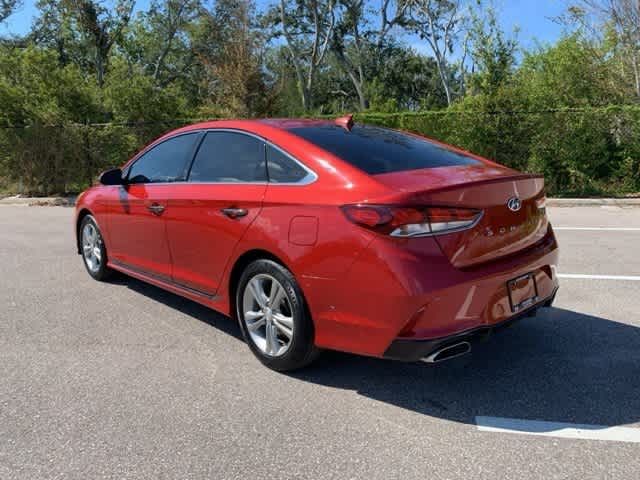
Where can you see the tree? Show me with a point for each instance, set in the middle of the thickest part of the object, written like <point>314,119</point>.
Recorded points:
<point>281,77</point>
<point>36,91</point>
<point>7,7</point>
<point>51,28</point>
<point>102,27</point>
<point>438,22</point>
<point>492,52</point>
<point>355,40</point>
<point>566,75</point>
<point>407,81</point>
<point>620,20</point>
<point>230,49</point>
<point>307,27</point>
<point>170,22</point>
<point>159,39</point>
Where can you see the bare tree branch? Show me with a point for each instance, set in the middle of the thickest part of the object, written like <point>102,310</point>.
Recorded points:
<point>597,16</point>
<point>103,27</point>
<point>307,34</point>
<point>436,22</point>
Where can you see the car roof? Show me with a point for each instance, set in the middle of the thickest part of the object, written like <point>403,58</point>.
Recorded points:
<point>271,128</point>
<point>279,123</point>
<point>288,123</point>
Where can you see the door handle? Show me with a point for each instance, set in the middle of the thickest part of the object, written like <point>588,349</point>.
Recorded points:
<point>234,212</point>
<point>155,208</point>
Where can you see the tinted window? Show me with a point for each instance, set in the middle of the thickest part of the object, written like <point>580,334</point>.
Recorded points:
<point>379,150</point>
<point>166,162</point>
<point>283,169</point>
<point>229,157</point>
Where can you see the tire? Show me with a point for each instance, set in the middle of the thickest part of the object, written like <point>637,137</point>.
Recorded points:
<point>93,250</point>
<point>293,347</point>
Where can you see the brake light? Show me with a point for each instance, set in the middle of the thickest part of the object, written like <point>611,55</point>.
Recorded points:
<point>412,221</point>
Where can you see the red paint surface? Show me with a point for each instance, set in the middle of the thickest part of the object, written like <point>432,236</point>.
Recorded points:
<point>303,231</point>
<point>364,289</point>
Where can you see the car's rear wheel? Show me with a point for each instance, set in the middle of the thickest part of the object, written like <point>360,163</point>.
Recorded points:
<point>274,317</point>
<point>94,252</point>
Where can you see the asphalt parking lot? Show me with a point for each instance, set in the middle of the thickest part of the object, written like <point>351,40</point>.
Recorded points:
<point>123,380</point>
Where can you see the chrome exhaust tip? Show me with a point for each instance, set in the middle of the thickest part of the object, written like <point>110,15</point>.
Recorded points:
<point>448,352</point>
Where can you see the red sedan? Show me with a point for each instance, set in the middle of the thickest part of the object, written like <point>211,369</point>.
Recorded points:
<point>325,234</point>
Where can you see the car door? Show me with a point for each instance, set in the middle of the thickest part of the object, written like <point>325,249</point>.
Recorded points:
<point>136,224</point>
<point>207,215</point>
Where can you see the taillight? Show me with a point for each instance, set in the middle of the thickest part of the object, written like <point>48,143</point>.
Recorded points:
<point>412,221</point>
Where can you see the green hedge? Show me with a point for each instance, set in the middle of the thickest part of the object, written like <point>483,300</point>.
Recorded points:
<point>580,152</point>
<point>45,160</point>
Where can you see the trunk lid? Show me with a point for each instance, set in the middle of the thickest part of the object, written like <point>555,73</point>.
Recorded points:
<point>502,230</point>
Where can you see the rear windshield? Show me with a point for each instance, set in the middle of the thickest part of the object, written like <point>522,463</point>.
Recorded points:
<point>379,150</point>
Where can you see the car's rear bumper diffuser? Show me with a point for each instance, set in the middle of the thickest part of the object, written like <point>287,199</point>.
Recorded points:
<point>412,350</point>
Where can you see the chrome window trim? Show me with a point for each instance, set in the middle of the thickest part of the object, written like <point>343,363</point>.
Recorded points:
<point>184,182</point>
<point>310,178</point>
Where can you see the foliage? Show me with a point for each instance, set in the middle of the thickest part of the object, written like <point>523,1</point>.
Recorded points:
<point>493,54</point>
<point>580,151</point>
<point>307,27</point>
<point>7,7</point>
<point>235,84</point>
<point>91,82</point>
<point>436,22</point>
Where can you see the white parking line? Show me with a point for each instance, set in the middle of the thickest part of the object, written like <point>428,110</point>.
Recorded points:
<point>609,229</point>
<point>558,429</point>
<point>631,278</point>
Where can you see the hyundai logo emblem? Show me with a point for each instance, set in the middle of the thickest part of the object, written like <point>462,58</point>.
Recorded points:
<point>514,204</point>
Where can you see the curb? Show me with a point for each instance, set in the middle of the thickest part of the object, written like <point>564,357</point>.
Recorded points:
<point>39,201</point>
<point>593,202</point>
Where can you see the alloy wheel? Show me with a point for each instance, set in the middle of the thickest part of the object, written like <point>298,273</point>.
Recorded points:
<point>91,247</point>
<point>267,314</point>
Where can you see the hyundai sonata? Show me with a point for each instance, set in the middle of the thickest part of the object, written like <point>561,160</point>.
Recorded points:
<point>319,234</point>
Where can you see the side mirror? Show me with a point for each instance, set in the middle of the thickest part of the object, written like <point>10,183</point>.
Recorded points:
<point>112,177</point>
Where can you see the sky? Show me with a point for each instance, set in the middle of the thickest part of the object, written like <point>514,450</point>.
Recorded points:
<point>533,18</point>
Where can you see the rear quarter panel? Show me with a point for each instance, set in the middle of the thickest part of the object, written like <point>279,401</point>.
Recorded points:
<point>314,263</point>
<point>315,260</point>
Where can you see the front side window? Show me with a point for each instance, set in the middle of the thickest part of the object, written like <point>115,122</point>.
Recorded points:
<point>229,157</point>
<point>282,168</point>
<point>166,162</point>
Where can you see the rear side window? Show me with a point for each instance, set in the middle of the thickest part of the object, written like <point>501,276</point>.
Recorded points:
<point>166,162</point>
<point>229,157</point>
<point>282,168</point>
<point>379,150</point>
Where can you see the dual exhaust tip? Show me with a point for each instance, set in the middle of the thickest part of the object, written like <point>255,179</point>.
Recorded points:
<point>448,352</point>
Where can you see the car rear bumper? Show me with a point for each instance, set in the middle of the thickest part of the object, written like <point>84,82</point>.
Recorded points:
<point>408,294</point>
<point>409,350</point>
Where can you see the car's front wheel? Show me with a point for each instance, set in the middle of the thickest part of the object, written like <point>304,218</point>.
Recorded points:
<point>94,252</point>
<point>273,316</point>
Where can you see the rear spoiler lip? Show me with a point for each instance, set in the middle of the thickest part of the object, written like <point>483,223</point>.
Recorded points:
<point>471,183</point>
